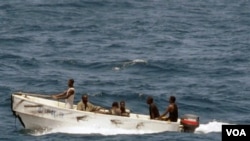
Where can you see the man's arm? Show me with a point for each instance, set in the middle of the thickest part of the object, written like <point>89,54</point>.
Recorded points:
<point>58,96</point>
<point>93,107</point>
<point>169,109</point>
<point>79,106</point>
<point>63,95</point>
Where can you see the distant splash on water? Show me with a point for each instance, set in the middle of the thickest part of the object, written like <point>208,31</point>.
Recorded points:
<point>130,63</point>
<point>210,127</point>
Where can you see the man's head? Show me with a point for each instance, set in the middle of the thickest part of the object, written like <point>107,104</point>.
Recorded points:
<point>122,103</point>
<point>115,105</point>
<point>150,100</point>
<point>84,98</point>
<point>71,82</point>
<point>172,99</point>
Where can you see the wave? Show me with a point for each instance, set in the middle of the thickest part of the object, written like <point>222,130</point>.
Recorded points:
<point>129,63</point>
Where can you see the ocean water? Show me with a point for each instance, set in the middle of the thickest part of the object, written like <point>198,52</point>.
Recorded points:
<point>127,50</point>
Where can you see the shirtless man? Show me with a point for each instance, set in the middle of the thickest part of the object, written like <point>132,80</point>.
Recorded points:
<point>68,95</point>
<point>171,110</point>
<point>153,110</point>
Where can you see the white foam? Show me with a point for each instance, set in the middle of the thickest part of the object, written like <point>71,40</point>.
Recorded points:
<point>116,68</point>
<point>213,126</point>
<point>133,62</point>
<point>139,61</point>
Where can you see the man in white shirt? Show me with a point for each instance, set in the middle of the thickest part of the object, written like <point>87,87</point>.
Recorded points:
<point>68,95</point>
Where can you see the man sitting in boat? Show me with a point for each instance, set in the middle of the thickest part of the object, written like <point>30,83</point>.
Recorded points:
<point>68,95</point>
<point>172,110</point>
<point>85,105</point>
<point>153,110</point>
<point>124,111</point>
<point>115,110</point>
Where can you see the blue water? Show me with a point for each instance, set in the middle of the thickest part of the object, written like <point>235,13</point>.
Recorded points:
<point>127,50</point>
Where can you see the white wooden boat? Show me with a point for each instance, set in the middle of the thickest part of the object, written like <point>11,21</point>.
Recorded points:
<point>37,112</point>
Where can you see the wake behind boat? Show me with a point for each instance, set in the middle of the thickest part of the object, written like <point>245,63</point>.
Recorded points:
<point>36,111</point>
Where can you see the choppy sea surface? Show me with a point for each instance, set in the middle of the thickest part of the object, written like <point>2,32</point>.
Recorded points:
<point>127,50</point>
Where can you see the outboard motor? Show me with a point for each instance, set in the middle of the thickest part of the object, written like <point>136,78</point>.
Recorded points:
<point>189,122</point>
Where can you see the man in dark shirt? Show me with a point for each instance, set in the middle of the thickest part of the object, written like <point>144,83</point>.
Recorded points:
<point>171,110</point>
<point>153,110</point>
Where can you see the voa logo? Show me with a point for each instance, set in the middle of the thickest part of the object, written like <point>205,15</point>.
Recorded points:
<point>236,132</point>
